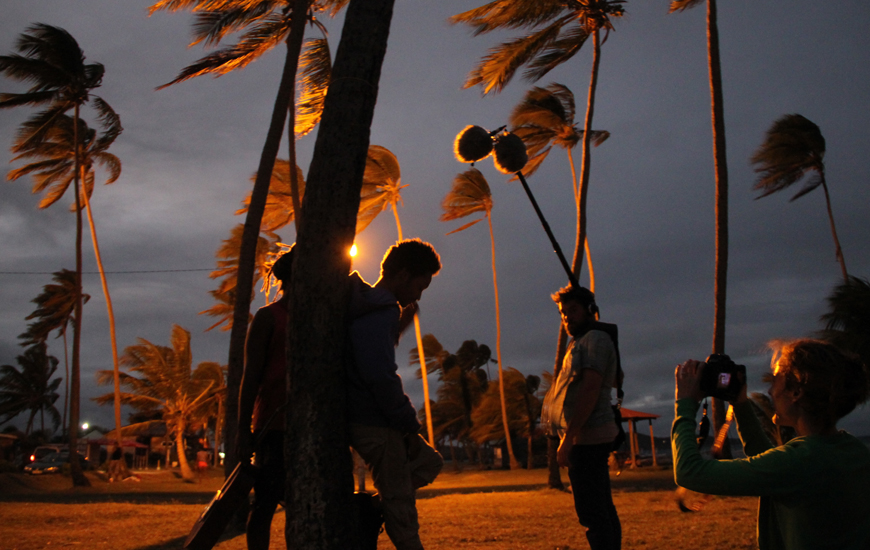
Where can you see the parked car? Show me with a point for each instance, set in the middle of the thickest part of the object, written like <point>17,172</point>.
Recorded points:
<point>44,450</point>
<point>53,463</point>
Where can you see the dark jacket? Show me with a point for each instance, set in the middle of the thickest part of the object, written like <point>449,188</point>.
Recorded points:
<point>376,396</point>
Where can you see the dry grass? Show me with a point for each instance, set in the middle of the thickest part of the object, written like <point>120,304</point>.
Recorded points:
<point>537,519</point>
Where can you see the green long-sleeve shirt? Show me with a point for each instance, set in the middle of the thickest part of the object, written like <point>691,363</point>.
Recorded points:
<point>815,490</point>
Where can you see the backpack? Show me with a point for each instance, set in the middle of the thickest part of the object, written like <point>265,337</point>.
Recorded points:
<point>613,331</point>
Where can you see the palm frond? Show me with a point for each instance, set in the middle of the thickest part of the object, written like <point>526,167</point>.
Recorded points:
<point>315,66</point>
<point>110,123</point>
<point>792,147</point>
<point>681,5</point>
<point>212,26</point>
<point>557,52</point>
<point>278,211</point>
<point>254,43</point>
<point>597,137</point>
<point>470,193</point>
<point>541,108</point>
<point>509,14</point>
<point>498,67</point>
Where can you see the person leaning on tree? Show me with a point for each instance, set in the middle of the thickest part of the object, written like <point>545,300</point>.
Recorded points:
<point>383,422</point>
<point>262,397</point>
<point>579,412</point>
<point>815,489</point>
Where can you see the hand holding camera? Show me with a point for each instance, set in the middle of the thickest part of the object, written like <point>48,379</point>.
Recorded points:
<point>718,377</point>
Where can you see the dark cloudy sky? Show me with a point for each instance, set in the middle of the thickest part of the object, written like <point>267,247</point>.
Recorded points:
<point>188,153</point>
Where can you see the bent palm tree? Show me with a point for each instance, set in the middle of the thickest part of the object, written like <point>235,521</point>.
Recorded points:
<point>53,61</point>
<point>523,406</point>
<point>470,194</point>
<point>794,147</point>
<point>463,383</point>
<point>263,24</point>
<point>559,30</point>
<point>52,172</point>
<point>165,383</point>
<point>54,311</point>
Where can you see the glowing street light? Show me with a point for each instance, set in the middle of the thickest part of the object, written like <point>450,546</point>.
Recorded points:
<point>85,426</point>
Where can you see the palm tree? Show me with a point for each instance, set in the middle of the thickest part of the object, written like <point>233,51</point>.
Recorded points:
<point>523,410</point>
<point>470,194</point>
<point>53,61</point>
<point>463,383</point>
<point>720,164</point>
<point>30,388</point>
<point>263,25</point>
<point>54,311</point>
<point>794,147</point>
<point>165,383</point>
<point>215,373</point>
<point>559,30</point>
<point>52,172</point>
<point>382,188</point>
<point>847,322</point>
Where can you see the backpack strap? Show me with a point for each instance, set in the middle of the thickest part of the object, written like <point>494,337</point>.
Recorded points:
<point>613,331</point>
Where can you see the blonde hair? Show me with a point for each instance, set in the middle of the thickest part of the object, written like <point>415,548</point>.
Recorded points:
<point>832,381</point>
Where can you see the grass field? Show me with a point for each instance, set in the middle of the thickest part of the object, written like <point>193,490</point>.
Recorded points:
<point>474,510</point>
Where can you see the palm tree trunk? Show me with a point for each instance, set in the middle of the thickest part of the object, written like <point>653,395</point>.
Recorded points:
<point>721,166</point>
<point>66,378</point>
<point>577,205</point>
<point>78,476</point>
<point>530,457</point>
<point>420,352</point>
<point>839,251</point>
<point>294,48</point>
<point>111,313</point>
<point>320,476</point>
<point>186,473</point>
<point>507,434</point>
<point>217,432</point>
<point>586,163</point>
<point>247,255</point>
<point>580,241</point>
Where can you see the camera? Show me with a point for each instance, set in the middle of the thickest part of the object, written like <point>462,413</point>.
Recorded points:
<point>721,378</point>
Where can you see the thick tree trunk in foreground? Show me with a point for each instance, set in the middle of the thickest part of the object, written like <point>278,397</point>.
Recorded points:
<point>319,465</point>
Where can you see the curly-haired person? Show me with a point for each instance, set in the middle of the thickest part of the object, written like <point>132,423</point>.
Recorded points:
<point>815,489</point>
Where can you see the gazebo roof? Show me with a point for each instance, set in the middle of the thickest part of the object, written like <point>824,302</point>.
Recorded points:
<point>628,414</point>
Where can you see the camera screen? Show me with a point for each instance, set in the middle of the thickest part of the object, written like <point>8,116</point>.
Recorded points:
<point>724,379</point>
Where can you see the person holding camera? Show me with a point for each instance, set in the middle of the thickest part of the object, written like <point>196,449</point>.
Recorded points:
<point>815,489</point>
<point>579,411</point>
